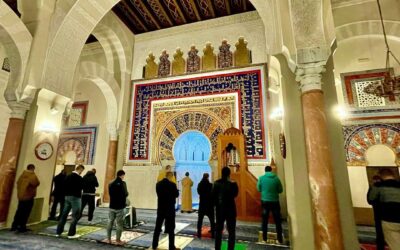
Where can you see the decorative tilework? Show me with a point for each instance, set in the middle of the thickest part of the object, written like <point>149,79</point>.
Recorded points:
<point>225,58</point>
<point>358,138</point>
<point>78,113</point>
<point>164,67</point>
<point>81,140</point>
<point>193,61</point>
<point>247,82</point>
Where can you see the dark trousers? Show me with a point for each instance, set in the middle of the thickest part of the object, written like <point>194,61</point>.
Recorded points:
<point>230,219</point>
<point>74,203</point>
<point>169,228</point>
<point>57,200</point>
<point>89,200</point>
<point>210,215</point>
<point>22,214</point>
<point>380,239</point>
<point>275,208</point>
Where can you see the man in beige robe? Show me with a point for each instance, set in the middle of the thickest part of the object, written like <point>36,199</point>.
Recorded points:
<point>187,184</point>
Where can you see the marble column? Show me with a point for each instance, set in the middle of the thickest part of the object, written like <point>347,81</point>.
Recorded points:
<point>10,155</point>
<point>111,166</point>
<point>327,227</point>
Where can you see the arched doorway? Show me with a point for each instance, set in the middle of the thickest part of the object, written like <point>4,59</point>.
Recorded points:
<point>192,151</point>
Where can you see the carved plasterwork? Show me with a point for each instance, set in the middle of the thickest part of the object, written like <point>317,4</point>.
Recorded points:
<point>225,57</point>
<point>209,58</point>
<point>151,67</point>
<point>164,67</point>
<point>178,64</point>
<point>242,53</point>
<point>193,61</point>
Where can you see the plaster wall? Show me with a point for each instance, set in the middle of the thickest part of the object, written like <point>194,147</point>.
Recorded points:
<point>96,115</point>
<point>37,116</point>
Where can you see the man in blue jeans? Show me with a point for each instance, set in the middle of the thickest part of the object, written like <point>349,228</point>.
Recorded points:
<point>270,187</point>
<point>73,195</point>
<point>118,193</point>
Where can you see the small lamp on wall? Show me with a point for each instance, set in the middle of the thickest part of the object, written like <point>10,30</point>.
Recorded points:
<point>277,114</point>
<point>48,127</point>
<point>340,112</point>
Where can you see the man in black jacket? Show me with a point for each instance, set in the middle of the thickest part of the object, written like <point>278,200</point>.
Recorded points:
<point>118,193</point>
<point>386,195</point>
<point>224,193</point>
<point>58,194</point>
<point>204,189</point>
<point>73,194</point>
<point>89,192</point>
<point>167,192</point>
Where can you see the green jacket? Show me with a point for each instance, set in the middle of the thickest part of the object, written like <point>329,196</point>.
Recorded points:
<point>270,187</point>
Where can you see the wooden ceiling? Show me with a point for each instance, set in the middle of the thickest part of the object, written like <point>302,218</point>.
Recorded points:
<point>148,15</point>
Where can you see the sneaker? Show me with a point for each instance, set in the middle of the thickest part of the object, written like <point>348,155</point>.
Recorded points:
<point>73,236</point>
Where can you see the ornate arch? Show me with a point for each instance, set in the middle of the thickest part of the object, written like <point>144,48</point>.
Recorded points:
<point>360,138</point>
<point>73,145</point>
<point>17,40</point>
<point>206,122</point>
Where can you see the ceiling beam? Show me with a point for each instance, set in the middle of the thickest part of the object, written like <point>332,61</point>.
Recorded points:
<point>133,15</point>
<point>228,7</point>
<point>211,8</point>
<point>196,11</point>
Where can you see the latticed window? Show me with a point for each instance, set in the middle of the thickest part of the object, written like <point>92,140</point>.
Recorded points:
<point>367,100</point>
<point>6,65</point>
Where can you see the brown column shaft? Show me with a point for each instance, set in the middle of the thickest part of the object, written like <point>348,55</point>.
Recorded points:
<point>327,228</point>
<point>111,168</point>
<point>8,163</point>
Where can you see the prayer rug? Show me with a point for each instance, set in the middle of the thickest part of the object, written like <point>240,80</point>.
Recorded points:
<point>178,227</point>
<point>180,242</point>
<point>144,241</point>
<point>205,232</point>
<point>127,236</point>
<point>371,247</point>
<point>238,246</point>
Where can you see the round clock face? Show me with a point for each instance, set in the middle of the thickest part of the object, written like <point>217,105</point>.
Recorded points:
<point>44,150</point>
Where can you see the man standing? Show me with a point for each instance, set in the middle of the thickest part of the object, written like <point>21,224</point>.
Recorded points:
<point>270,187</point>
<point>58,194</point>
<point>204,189</point>
<point>73,194</point>
<point>387,196</point>
<point>224,193</point>
<point>90,184</point>
<point>118,193</point>
<point>380,239</point>
<point>187,184</point>
<point>26,191</point>
<point>167,192</point>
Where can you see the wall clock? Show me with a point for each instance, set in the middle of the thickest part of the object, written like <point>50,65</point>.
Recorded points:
<point>282,145</point>
<point>44,150</point>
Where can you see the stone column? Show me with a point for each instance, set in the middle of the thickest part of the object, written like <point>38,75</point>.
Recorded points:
<point>111,165</point>
<point>10,155</point>
<point>327,227</point>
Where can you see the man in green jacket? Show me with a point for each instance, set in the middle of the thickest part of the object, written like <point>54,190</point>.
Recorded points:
<point>270,187</point>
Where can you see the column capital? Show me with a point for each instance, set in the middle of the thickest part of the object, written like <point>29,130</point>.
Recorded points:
<point>309,76</point>
<point>18,109</point>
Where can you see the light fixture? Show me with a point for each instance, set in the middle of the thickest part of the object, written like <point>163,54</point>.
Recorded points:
<point>48,127</point>
<point>276,114</point>
<point>389,86</point>
<point>341,112</point>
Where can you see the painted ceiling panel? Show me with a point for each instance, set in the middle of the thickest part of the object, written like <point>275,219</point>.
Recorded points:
<point>148,15</point>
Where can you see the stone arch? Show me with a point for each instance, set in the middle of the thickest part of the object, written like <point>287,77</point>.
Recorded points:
<point>107,84</point>
<point>205,122</point>
<point>68,42</point>
<point>113,39</point>
<point>368,28</point>
<point>362,138</point>
<point>17,41</point>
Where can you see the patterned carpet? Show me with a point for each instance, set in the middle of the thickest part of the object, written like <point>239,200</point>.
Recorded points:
<point>93,234</point>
